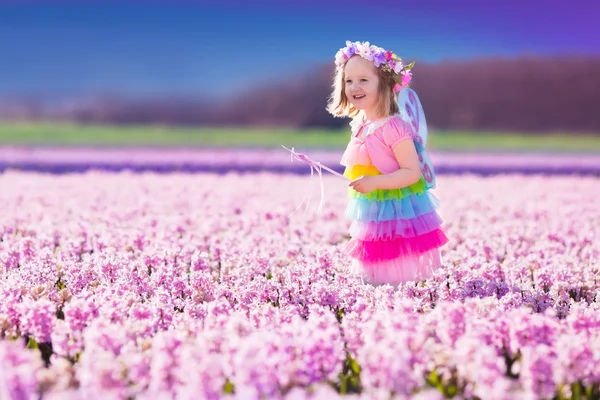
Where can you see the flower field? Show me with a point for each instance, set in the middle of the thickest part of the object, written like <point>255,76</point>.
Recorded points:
<point>122,285</point>
<point>221,160</point>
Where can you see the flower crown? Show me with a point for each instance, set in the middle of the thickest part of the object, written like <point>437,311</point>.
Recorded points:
<point>382,58</point>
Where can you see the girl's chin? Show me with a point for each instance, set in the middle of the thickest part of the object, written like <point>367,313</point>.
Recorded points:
<point>360,107</point>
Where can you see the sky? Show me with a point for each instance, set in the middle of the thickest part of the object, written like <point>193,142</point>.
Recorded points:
<point>215,48</point>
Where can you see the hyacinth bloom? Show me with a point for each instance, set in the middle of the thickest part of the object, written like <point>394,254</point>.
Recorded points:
<point>148,286</point>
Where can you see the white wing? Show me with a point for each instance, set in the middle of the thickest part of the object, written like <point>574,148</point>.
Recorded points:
<point>412,112</point>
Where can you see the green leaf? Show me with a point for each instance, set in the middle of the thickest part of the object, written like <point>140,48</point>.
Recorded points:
<point>560,392</point>
<point>435,380</point>
<point>409,66</point>
<point>451,391</point>
<point>32,344</point>
<point>349,378</point>
<point>354,366</point>
<point>343,385</point>
<point>228,388</point>
<point>354,383</point>
<point>339,315</point>
<point>60,285</point>
<point>576,391</point>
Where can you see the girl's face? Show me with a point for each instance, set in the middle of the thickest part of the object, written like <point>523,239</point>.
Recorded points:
<point>362,84</point>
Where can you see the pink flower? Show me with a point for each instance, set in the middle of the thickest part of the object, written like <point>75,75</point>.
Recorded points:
<point>398,65</point>
<point>406,78</point>
<point>397,88</point>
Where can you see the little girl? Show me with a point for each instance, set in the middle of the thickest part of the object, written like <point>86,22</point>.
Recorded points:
<point>396,231</point>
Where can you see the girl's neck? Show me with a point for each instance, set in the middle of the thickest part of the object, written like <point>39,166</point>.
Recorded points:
<point>370,117</point>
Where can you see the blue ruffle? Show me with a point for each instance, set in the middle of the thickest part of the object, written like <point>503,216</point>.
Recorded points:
<point>409,207</point>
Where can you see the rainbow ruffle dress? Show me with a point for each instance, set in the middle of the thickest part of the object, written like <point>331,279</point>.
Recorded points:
<point>395,234</point>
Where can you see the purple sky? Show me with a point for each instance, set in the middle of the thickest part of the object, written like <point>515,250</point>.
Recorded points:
<point>216,47</point>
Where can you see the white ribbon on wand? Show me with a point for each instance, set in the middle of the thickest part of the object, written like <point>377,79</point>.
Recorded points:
<point>314,165</point>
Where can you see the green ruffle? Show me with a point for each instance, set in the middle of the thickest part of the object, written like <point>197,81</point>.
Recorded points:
<point>389,194</point>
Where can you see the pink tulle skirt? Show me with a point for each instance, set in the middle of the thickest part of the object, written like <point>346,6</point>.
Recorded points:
<point>398,270</point>
<point>394,247</point>
<point>373,251</point>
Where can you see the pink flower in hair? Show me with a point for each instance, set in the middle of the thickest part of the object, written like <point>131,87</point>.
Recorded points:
<point>398,67</point>
<point>406,78</point>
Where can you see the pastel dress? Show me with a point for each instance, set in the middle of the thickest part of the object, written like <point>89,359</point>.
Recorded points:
<point>395,234</point>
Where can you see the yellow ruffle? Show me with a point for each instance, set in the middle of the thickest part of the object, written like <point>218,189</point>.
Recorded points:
<point>360,170</point>
<point>357,171</point>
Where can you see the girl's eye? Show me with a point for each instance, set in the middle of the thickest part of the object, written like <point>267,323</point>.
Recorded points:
<point>363,80</point>
<point>348,81</point>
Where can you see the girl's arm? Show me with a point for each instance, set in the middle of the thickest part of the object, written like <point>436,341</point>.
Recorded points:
<point>409,172</point>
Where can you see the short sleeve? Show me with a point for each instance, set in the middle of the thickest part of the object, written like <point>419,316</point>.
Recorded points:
<point>395,131</point>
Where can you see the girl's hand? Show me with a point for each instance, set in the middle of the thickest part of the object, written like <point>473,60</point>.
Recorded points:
<point>364,184</point>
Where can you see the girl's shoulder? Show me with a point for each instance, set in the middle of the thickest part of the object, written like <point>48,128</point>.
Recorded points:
<point>395,122</point>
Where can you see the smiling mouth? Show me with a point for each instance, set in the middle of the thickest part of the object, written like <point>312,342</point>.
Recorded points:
<point>358,97</point>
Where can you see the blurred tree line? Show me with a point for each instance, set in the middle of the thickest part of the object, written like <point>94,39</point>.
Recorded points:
<point>527,94</point>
